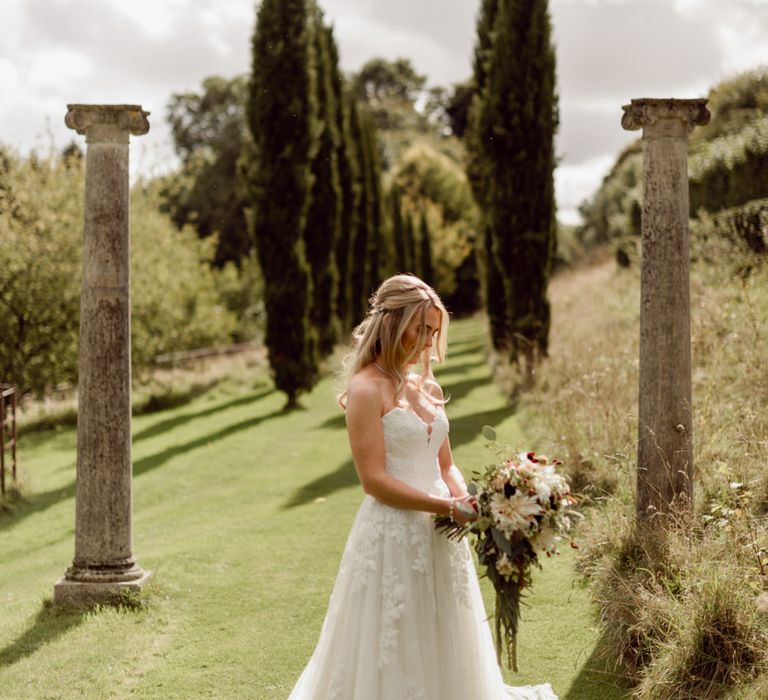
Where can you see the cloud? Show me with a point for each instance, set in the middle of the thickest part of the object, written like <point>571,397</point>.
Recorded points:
<point>589,131</point>
<point>57,51</point>
<point>627,49</point>
<point>437,35</point>
<point>574,184</point>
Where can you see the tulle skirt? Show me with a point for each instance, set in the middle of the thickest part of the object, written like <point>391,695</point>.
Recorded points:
<point>406,619</point>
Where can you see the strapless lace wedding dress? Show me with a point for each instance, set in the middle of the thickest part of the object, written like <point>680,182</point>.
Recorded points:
<point>406,619</point>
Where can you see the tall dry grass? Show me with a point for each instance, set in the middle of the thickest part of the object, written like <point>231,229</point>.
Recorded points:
<point>681,610</point>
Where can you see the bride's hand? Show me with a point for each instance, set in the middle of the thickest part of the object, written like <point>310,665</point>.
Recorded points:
<point>464,510</point>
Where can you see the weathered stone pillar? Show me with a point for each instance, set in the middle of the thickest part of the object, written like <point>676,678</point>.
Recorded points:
<point>104,565</point>
<point>664,453</point>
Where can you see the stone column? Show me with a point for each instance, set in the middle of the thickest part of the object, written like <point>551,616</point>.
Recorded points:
<point>664,453</point>
<point>104,565</point>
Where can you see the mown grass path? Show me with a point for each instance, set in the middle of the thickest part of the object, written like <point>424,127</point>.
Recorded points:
<point>242,511</point>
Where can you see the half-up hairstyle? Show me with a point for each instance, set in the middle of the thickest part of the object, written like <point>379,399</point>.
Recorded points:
<point>379,338</point>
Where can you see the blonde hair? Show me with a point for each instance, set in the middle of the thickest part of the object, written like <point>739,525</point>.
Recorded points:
<point>379,338</point>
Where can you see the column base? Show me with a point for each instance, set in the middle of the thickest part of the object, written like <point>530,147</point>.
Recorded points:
<point>83,594</point>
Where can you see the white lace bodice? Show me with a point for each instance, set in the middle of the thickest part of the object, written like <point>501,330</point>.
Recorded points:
<point>411,446</point>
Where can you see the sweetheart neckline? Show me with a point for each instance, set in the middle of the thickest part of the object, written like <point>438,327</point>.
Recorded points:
<point>428,425</point>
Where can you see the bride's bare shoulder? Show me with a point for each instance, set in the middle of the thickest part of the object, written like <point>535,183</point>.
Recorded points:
<point>363,388</point>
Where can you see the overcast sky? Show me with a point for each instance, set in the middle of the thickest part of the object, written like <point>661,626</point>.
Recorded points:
<point>53,52</point>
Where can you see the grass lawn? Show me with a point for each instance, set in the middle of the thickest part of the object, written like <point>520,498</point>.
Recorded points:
<point>241,511</point>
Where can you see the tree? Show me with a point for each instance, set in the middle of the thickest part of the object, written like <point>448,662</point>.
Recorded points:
<point>359,276</point>
<point>282,121</point>
<point>430,182</point>
<point>208,129</point>
<point>514,121</point>
<point>371,251</point>
<point>427,273</point>
<point>457,108</point>
<point>402,262</point>
<point>381,79</point>
<point>324,220</point>
<point>379,248</point>
<point>410,242</point>
<point>349,184</point>
<point>41,230</point>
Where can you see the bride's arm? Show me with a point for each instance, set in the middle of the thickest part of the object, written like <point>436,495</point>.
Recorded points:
<point>448,470</point>
<point>366,437</point>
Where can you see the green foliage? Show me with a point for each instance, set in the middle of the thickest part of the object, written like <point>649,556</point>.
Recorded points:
<point>425,254</point>
<point>457,108</point>
<point>608,216</point>
<point>322,227</point>
<point>429,182</point>
<point>41,224</point>
<point>175,296</point>
<point>391,92</point>
<point>380,79</point>
<point>349,184</point>
<point>208,129</point>
<point>366,247</point>
<point>41,220</point>
<point>747,224</point>
<point>731,169</point>
<point>282,117</point>
<point>513,122</point>
<point>734,103</point>
<point>241,290</point>
<point>379,244</point>
<point>402,252</point>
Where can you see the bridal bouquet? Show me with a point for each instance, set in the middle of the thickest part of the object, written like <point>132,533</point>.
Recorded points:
<point>523,507</point>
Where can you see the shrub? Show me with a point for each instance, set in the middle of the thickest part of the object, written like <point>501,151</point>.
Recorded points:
<point>175,304</point>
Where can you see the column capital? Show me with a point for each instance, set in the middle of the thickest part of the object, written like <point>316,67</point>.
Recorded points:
<point>648,111</point>
<point>107,122</point>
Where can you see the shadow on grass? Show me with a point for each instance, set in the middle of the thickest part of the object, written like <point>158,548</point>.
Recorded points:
<point>467,428</point>
<point>147,463</point>
<point>49,624</point>
<point>466,348</point>
<point>171,423</point>
<point>343,477</point>
<point>598,679</point>
<point>457,368</point>
<point>335,422</point>
<point>42,501</point>
<point>457,390</point>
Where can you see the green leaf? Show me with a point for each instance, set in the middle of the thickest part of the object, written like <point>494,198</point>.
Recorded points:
<point>489,433</point>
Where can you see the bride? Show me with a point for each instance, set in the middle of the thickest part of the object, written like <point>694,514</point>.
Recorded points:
<point>406,619</point>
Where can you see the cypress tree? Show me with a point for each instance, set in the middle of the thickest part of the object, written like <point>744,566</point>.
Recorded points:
<point>324,219</point>
<point>410,243</point>
<point>349,185</point>
<point>479,130</point>
<point>427,272</point>
<point>379,251</point>
<point>398,229</point>
<point>281,118</point>
<point>359,265</point>
<point>515,121</point>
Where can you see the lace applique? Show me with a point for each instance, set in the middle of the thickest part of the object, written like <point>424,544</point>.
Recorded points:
<point>406,528</point>
<point>392,602</point>
<point>461,569</point>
